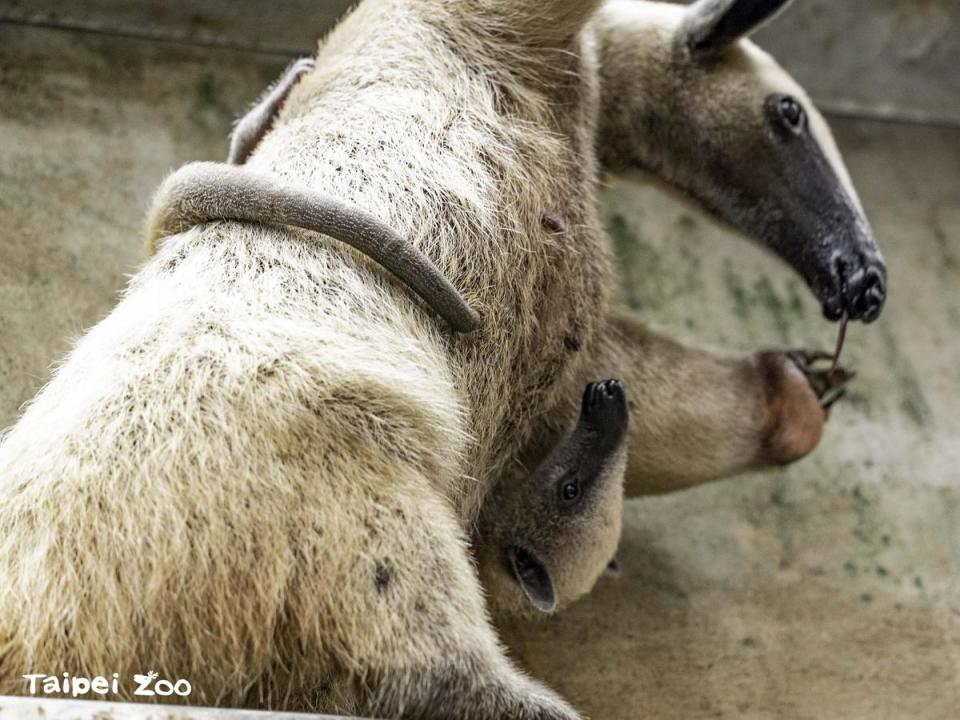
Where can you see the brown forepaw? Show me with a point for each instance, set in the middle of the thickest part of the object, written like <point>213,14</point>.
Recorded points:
<point>828,383</point>
<point>800,389</point>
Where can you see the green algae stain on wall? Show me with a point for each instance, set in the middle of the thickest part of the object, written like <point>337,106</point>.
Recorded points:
<point>768,299</point>
<point>913,402</point>
<point>781,308</point>
<point>640,266</point>
<point>209,108</point>
<point>736,290</point>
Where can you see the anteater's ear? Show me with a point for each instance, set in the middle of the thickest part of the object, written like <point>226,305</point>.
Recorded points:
<point>711,25</point>
<point>534,579</point>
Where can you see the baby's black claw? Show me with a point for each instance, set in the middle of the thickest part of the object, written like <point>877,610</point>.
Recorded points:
<point>612,389</point>
<point>604,401</point>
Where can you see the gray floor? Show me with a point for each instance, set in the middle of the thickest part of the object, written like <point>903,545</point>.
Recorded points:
<point>831,589</point>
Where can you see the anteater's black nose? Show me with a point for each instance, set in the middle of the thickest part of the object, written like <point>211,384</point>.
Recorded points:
<point>869,302</point>
<point>861,290</point>
<point>864,291</point>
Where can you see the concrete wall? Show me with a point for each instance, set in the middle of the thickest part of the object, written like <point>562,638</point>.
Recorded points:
<point>887,57</point>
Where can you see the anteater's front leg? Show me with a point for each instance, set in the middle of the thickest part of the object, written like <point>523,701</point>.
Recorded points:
<point>699,415</point>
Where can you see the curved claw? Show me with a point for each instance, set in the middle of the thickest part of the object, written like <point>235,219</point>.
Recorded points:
<point>803,357</point>
<point>829,385</point>
<point>827,404</point>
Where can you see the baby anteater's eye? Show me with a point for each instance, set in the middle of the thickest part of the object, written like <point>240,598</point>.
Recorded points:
<point>570,491</point>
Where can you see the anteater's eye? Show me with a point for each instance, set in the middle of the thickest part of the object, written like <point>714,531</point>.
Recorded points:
<point>570,491</point>
<point>791,111</point>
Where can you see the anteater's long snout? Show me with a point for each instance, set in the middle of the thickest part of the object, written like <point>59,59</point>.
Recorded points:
<point>833,247</point>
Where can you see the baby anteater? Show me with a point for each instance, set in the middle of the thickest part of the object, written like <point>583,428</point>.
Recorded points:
<point>544,542</point>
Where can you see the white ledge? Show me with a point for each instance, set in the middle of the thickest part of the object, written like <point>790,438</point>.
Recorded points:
<point>29,708</point>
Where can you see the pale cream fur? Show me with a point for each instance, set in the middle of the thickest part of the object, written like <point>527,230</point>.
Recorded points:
<point>264,430</point>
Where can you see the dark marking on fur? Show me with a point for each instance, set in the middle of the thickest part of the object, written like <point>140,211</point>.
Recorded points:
<point>371,528</point>
<point>572,342</point>
<point>267,369</point>
<point>554,222</point>
<point>173,262</point>
<point>382,577</point>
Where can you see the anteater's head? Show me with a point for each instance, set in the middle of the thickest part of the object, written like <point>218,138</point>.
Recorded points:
<point>723,123</point>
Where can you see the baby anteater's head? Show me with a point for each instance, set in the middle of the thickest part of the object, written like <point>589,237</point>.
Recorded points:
<point>545,540</point>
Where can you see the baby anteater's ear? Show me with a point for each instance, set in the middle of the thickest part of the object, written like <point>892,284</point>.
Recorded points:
<point>613,568</point>
<point>533,577</point>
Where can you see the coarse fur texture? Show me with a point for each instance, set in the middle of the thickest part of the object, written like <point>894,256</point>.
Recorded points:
<point>543,542</point>
<point>204,192</point>
<point>276,443</point>
<point>536,550</point>
<point>200,193</point>
<point>259,471</point>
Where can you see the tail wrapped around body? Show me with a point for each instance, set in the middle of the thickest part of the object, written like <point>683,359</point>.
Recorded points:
<point>203,192</point>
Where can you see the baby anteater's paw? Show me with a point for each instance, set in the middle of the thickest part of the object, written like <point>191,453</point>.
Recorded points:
<point>605,404</point>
